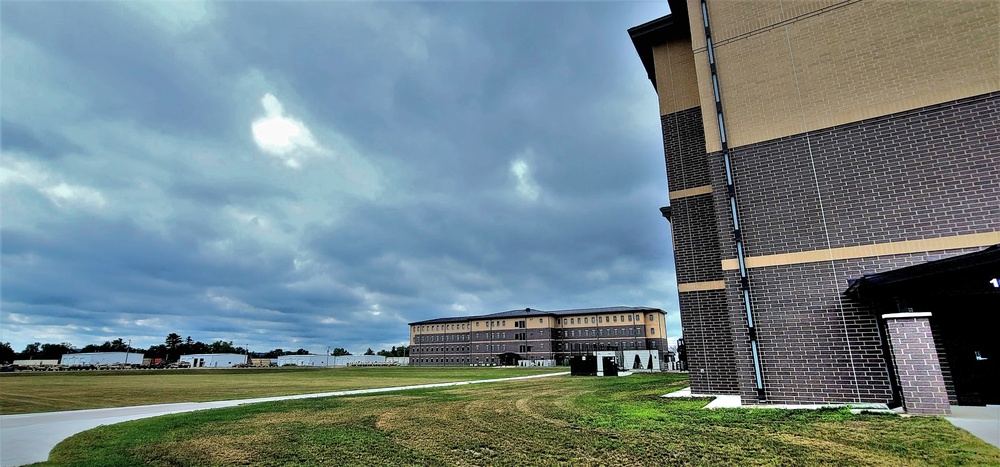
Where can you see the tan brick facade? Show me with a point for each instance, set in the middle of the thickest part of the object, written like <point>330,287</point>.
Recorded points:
<point>786,68</point>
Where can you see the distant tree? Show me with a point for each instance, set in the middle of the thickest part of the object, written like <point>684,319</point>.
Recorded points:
<point>369,351</point>
<point>157,351</point>
<point>55,351</point>
<point>32,351</point>
<point>401,351</point>
<point>174,340</point>
<point>273,354</point>
<point>222,347</point>
<point>6,353</point>
<point>339,351</point>
<point>302,352</point>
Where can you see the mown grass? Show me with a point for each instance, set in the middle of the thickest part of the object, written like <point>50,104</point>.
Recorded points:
<point>31,392</point>
<point>550,421</point>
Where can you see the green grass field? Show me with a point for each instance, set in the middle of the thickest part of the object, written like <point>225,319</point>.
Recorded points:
<point>30,392</point>
<point>551,421</point>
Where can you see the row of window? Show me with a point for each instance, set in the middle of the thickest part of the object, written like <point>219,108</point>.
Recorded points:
<point>523,323</point>
<point>607,345</point>
<point>586,346</point>
<point>603,332</point>
<point>602,319</point>
<point>444,338</point>
<point>485,347</point>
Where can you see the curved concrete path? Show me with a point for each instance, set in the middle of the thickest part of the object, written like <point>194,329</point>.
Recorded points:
<point>28,438</point>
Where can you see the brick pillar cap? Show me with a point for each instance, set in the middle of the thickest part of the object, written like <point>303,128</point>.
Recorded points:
<point>906,315</point>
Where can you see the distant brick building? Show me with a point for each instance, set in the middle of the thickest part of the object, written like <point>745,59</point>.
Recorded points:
<point>536,337</point>
<point>813,149</point>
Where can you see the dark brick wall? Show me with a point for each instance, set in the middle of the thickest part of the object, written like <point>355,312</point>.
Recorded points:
<point>704,316</point>
<point>696,245</point>
<point>927,173</point>
<point>709,342</point>
<point>815,345</point>
<point>917,365</point>
<point>684,146</point>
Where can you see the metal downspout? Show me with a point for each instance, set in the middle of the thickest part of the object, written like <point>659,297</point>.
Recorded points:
<point>731,189</point>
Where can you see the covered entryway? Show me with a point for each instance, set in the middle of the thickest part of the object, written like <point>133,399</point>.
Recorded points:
<point>509,359</point>
<point>942,311</point>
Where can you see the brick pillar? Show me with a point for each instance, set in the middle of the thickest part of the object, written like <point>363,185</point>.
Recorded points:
<point>917,366</point>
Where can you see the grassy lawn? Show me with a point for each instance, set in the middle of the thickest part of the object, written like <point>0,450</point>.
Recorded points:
<point>550,421</point>
<point>30,392</point>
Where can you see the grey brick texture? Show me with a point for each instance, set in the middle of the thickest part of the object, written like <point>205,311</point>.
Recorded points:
<point>926,173</point>
<point>704,315</point>
<point>917,366</point>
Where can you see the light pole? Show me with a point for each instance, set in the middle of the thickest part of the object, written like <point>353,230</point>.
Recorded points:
<point>127,348</point>
<point>328,356</point>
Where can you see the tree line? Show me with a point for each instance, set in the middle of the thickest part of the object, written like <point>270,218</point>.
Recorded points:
<point>170,350</point>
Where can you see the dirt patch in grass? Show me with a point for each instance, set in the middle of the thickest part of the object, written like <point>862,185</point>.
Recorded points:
<point>551,421</point>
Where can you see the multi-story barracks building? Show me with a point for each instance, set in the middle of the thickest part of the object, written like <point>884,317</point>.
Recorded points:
<point>536,337</point>
<point>834,195</point>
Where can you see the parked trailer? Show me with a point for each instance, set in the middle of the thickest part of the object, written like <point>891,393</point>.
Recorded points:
<point>101,359</point>
<point>328,360</point>
<point>214,360</point>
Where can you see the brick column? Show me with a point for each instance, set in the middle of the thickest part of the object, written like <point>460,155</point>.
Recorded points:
<point>917,366</point>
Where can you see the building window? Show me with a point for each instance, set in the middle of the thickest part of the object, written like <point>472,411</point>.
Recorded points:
<point>615,318</point>
<point>652,331</point>
<point>586,320</point>
<point>558,320</point>
<point>630,317</point>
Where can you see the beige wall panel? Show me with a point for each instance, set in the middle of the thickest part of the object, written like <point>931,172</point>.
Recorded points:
<point>676,79</point>
<point>730,18</point>
<point>697,28</point>
<point>793,9</point>
<point>758,87</point>
<point>708,117</point>
<point>951,51</point>
<point>849,66</point>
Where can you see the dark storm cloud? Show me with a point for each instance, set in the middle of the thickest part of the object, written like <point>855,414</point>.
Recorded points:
<point>39,141</point>
<point>433,159</point>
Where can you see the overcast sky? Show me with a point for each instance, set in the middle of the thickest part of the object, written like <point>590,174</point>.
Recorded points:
<point>313,174</point>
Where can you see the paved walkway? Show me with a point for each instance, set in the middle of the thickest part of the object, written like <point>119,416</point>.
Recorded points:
<point>28,438</point>
<point>984,422</point>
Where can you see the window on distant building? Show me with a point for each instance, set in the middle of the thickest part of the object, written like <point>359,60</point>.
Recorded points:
<point>630,317</point>
<point>650,317</point>
<point>586,320</point>
<point>652,331</point>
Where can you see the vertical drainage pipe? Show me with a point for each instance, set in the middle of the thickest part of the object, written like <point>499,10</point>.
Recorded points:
<point>737,235</point>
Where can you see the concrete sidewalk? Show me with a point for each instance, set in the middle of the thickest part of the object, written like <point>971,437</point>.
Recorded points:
<point>984,422</point>
<point>28,438</point>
